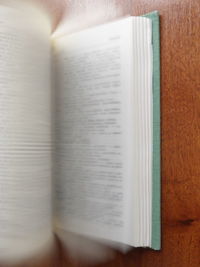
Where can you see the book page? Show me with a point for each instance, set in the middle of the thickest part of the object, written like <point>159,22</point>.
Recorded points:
<point>96,184</point>
<point>25,133</point>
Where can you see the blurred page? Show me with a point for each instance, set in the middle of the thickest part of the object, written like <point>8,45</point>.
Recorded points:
<point>25,132</point>
<point>94,162</point>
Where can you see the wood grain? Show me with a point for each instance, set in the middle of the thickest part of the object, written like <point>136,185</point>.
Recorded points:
<point>180,116</point>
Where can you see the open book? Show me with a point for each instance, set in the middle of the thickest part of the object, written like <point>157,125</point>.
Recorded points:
<point>79,132</point>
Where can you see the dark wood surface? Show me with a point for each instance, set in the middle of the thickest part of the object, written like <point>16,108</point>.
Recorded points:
<point>180,115</point>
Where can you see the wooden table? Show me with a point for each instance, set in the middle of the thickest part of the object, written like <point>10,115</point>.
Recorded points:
<point>180,106</point>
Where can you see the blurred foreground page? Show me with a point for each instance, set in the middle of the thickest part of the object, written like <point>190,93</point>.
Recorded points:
<point>25,132</point>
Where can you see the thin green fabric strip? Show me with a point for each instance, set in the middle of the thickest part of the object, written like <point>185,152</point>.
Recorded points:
<point>156,185</point>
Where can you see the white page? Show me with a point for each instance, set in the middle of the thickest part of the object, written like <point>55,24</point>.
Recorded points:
<point>96,181</point>
<point>25,133</point>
